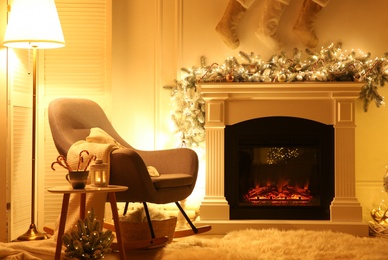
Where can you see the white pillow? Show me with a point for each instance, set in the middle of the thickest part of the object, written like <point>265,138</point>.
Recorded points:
<point>152,171</point>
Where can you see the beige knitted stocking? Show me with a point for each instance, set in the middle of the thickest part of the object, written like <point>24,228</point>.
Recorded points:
<point>268,27</point>
<point>227,26</point>
<point>304,26</point>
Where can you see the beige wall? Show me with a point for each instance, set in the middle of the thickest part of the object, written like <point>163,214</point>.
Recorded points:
<point>142,54</point>
<point>152,40</point>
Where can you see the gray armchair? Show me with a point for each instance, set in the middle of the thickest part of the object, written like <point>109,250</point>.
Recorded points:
<point>71,120</point>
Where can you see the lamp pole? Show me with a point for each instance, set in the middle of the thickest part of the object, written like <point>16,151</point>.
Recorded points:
<point>32,233</point>
<point>33,24</point>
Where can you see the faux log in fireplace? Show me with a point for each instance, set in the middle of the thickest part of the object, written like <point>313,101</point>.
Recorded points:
<point>279,168</point>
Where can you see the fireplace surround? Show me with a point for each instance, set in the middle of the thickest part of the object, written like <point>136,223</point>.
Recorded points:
<point>327,103</point>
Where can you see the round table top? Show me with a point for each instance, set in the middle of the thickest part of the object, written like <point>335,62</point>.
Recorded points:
<point>87,189</point>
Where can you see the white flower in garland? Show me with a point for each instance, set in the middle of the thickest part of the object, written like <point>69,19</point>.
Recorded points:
<point>329,64</point>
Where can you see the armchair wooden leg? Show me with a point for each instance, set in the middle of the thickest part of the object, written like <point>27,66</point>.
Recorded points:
<point>149,219</point>
<point>186,217</point>
<point>125,208</point>
<point>189,232</point>
<point>142,244</point>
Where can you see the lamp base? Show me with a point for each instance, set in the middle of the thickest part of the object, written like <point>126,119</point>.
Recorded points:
<point>32,234</point>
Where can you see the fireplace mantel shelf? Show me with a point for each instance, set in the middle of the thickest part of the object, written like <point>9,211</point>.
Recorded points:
<point>331,103</point>
<point>304,90</point>
<point>310,100</point>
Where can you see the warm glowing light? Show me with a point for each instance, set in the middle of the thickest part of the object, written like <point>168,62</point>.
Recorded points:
<point>99,174</point>
<point>34,23</point>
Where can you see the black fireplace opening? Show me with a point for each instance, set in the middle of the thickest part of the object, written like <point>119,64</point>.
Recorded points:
<point>279,168</point>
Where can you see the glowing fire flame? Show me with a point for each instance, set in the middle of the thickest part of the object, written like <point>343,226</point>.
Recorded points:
<point>281,191</point>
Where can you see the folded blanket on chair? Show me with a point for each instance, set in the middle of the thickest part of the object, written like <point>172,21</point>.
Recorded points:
<point>100,144</point>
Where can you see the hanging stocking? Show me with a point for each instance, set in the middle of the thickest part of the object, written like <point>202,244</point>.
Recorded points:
<point>267,30</point>
<point>227,26</point>
<point>304,26</point>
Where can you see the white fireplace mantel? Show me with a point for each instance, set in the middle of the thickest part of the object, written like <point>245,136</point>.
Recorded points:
<point>328,103</point>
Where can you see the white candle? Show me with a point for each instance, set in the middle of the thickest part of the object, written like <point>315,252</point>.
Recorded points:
<point>103,177</point>
<point>97,177</point>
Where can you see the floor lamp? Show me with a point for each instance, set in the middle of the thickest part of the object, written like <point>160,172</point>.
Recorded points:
<point>33,24</point>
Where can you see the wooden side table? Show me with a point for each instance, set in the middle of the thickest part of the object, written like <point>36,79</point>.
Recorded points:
<point>67,190</point>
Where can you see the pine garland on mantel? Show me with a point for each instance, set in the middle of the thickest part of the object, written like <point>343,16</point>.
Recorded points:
<point>331,63</point>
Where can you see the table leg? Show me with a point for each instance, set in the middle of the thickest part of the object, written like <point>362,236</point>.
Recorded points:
<point>115,213</point>
<point>62,223</point>
<point>82,207</point>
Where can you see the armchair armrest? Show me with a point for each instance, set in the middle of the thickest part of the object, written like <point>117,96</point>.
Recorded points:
<point>127,168</point>
<point>179,160</point>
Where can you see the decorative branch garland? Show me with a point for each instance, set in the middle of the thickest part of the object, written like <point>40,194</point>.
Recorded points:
<point>329,64</point>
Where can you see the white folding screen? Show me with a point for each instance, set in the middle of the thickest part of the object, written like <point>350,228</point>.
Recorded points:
<point>20,102</point>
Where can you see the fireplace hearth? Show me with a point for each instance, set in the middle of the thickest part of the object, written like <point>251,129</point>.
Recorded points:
<point>330,104</point>
<point>279,168</point>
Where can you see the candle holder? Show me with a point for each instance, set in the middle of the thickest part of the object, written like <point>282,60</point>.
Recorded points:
<point>99,174</point>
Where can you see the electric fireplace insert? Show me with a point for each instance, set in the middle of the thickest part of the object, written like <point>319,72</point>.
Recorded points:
<point>279,168</point>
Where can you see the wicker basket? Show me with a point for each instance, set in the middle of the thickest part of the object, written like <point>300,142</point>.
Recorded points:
<point>140,231</point>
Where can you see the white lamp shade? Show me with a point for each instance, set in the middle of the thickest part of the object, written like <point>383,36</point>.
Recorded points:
<point>34,23</point>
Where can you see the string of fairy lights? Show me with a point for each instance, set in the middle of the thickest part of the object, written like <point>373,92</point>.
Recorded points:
<point>331,63</point>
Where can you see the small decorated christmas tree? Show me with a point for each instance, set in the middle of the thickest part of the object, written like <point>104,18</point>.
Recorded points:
<point>86,240</point>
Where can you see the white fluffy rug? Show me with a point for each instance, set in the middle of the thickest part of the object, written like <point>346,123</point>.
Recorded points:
<point>271,244</point>
<point>275,244</point>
